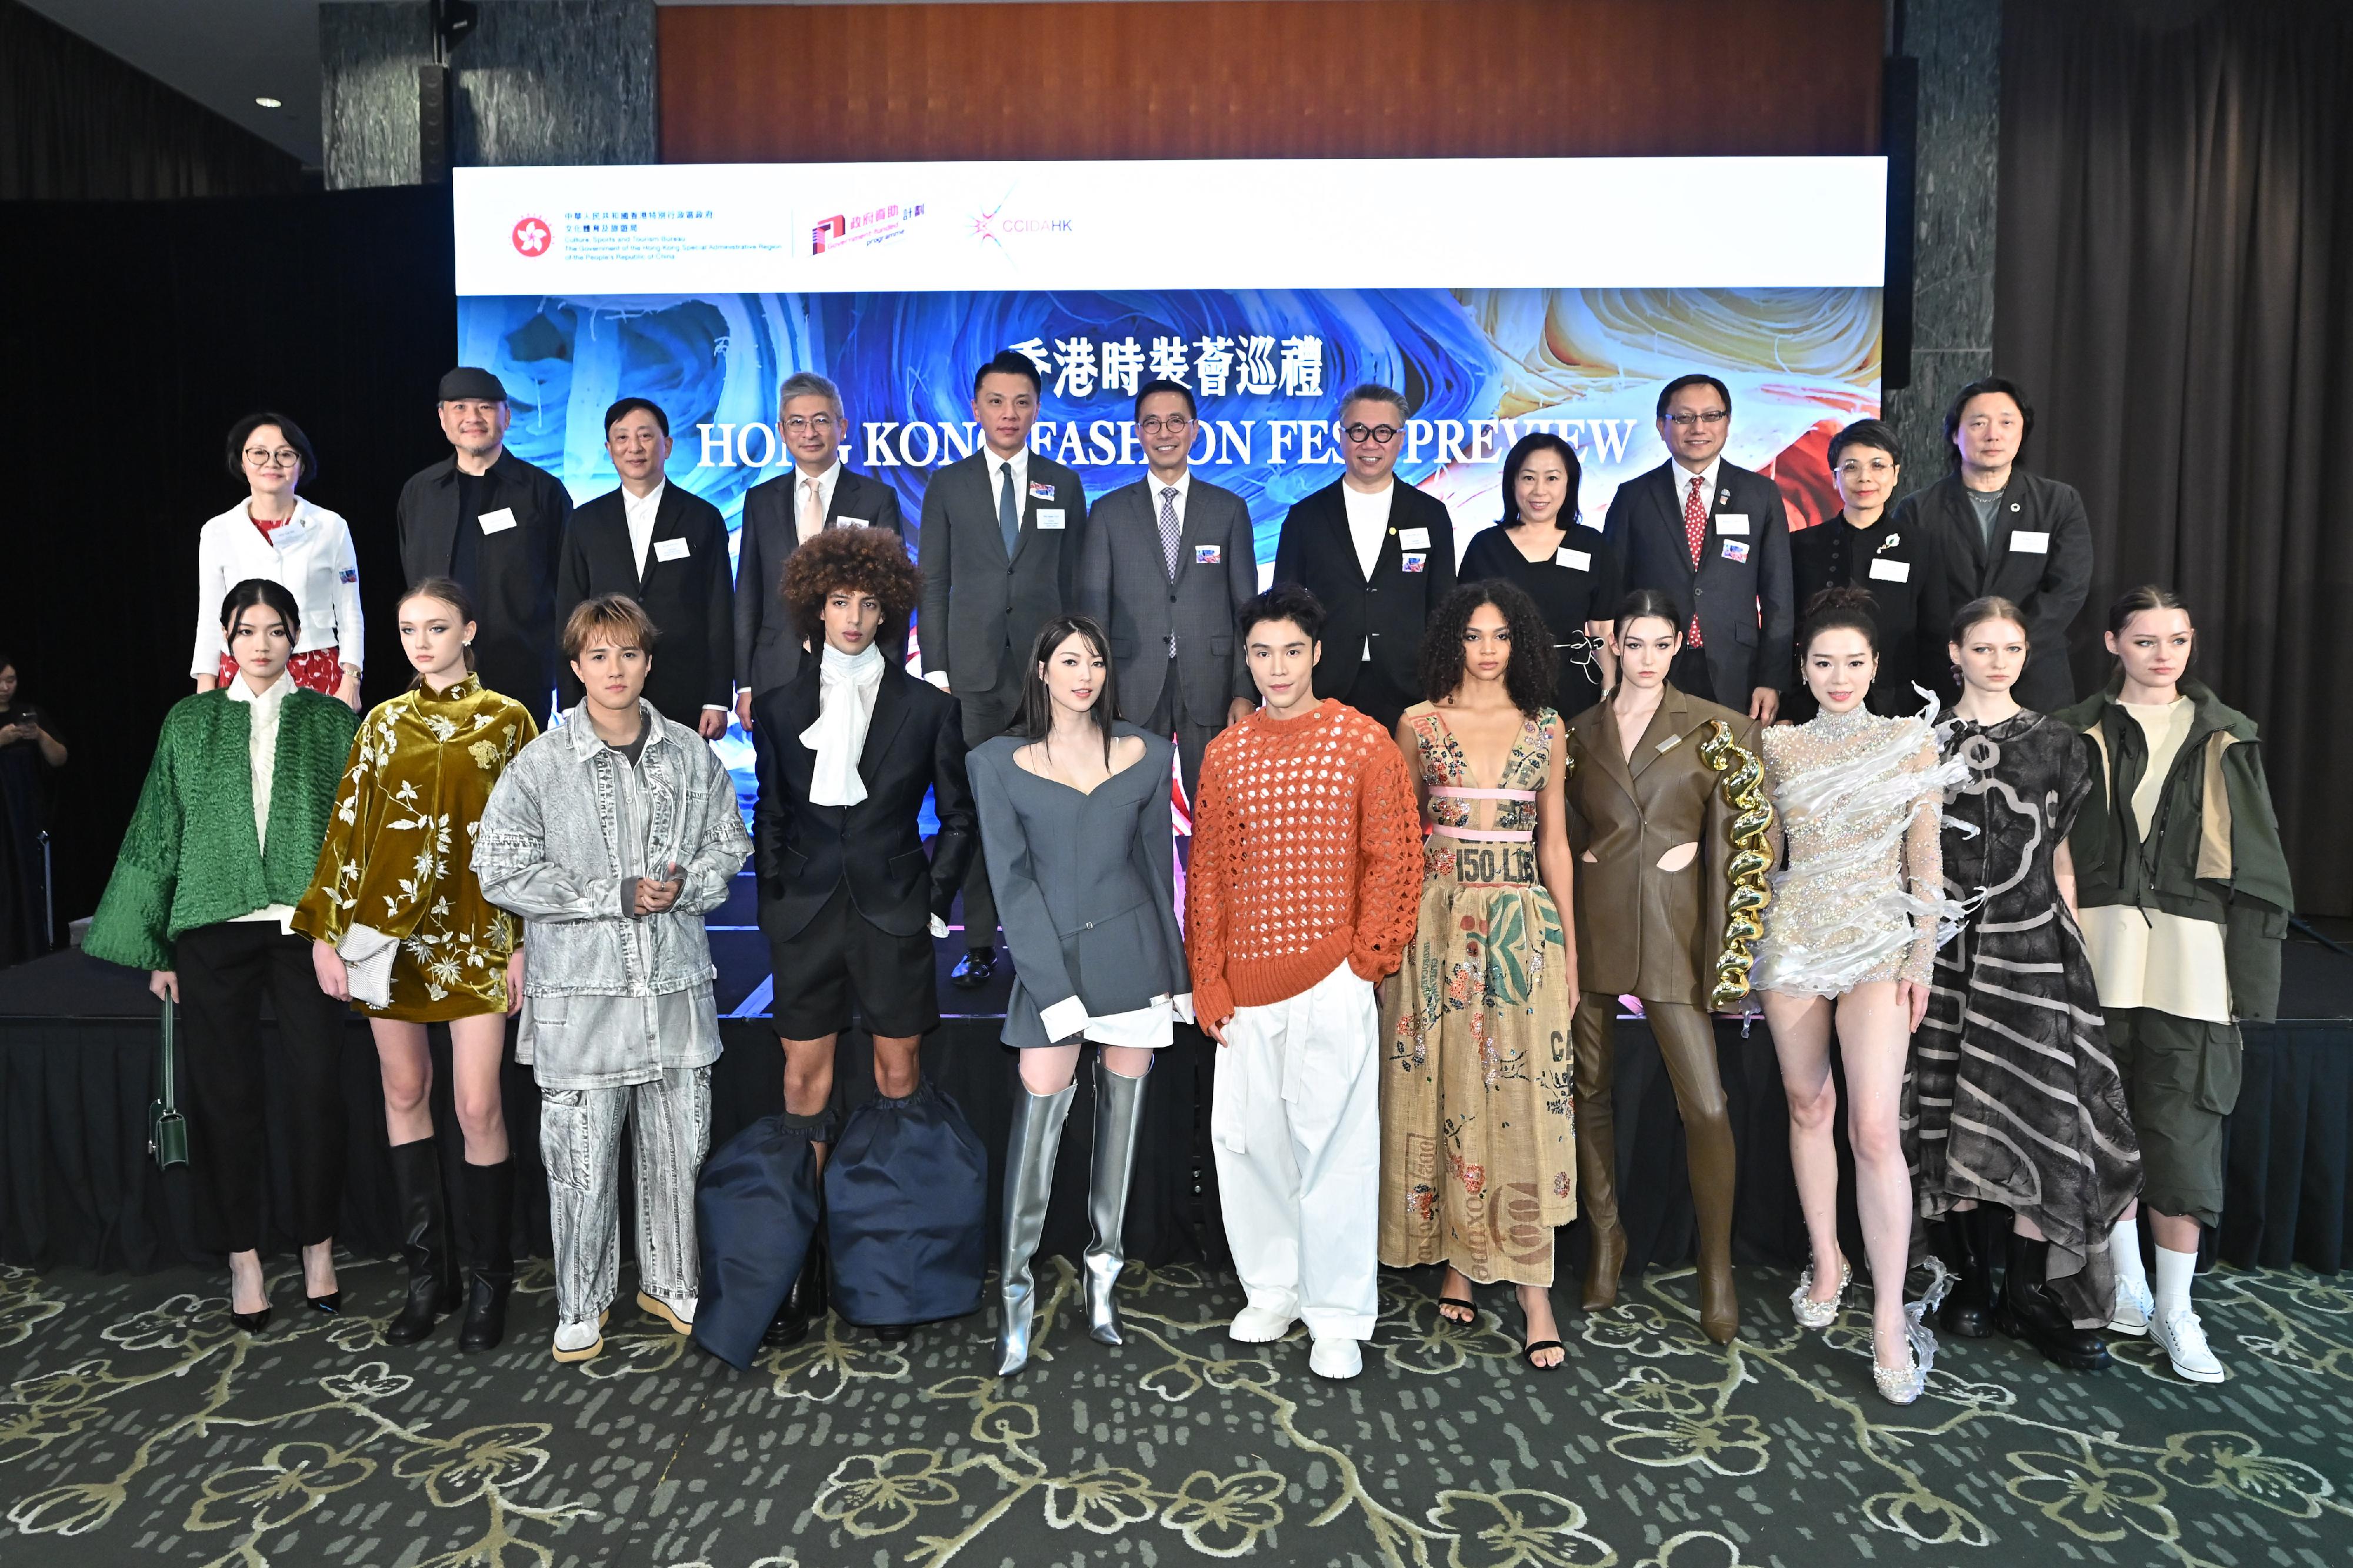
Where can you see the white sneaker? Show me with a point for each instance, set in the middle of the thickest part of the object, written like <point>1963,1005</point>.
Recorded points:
<point>1335,1357</point>
<point>2134,1308</point>
<point>579,1342</point>
<point>678,1314</point>
<point>2184,1339</point>
<point>1261,1325</point>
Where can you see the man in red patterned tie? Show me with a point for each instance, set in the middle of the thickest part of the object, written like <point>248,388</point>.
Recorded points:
<point>1714,537</point>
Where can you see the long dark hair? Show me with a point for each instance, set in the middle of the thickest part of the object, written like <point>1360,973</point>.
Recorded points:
<point>1528,446</point>
<point>1038,704</point>
<point>1527,673</point>
<point>452,592</point>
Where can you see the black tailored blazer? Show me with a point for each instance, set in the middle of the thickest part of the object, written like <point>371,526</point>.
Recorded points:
<point>977,602</point>
<point>2039,559</point>
<point>1741,587</point>
<point>915,742</point>
<point>689,596</point>
<point>768,651</point>
<point>1390,608</point>
<point>1123,583</point>
<point>1902,569</point>
<point>515,626</point>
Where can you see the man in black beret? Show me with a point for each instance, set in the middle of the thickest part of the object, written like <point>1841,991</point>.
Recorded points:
<point>497,525</point>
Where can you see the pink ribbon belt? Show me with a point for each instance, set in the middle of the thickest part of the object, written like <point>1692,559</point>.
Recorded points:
<point>1486,836</point>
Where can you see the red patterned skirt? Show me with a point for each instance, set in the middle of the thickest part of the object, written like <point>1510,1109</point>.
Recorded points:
<point>319,670</point>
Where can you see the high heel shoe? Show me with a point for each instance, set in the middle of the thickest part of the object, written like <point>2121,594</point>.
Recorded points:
<point>1035,1133</point>
<point>1902,1385</point>
<point>251,1322</point>
<point>1813,1314</point>
<point>332,1303</point>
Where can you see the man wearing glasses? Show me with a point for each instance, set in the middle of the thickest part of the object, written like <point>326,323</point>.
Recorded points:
<point>1377,554</point>
<point>1713,537</point>
<point>816,493</point>
<point>1903,570</point>
<point>1167,565</point>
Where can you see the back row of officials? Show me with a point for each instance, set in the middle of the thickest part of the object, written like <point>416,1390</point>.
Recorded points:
<point>1009,539</point>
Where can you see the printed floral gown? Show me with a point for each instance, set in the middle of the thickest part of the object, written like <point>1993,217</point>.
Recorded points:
<point>1478,1131</point>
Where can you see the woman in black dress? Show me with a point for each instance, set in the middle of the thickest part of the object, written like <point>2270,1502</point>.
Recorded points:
<point>2013,1103</point>
<point>1569,571</point>
<point>1903,570</point>
<point>30,754</point>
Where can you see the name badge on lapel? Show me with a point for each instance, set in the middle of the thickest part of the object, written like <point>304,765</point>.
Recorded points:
<point>1413,539</point>
<point>497,521</point>
<point>2026,540</point>
<point>1669,745</point>
<point>1414,560</point>
<point>1731,522</point>
<point>1891,571</point>
<point>672,550</point>
<point>1735,549</point>
<point>1208,555</point>
<point>1041,490</point>
<point>1575,560</point>
<point>1048,516</point>
<point>849,522</point>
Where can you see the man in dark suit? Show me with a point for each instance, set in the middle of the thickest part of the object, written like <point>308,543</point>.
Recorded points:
<point>1903,570</point>
<point>668,551</point>
<point>1377,554</point>
<point>496,524</point>
<point>783,513</point>
<point>999,549</point>
<point>1167,565</point>
<point>2008,532</point>
<point>1713,538</point>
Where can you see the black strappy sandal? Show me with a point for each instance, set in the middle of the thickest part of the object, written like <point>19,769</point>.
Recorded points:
<point>1464,1302</point>
<point>1528,1355</point>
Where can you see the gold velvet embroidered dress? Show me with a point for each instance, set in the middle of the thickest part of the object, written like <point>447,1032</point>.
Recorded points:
<point>1478,1128</point>
<point>400,846</point>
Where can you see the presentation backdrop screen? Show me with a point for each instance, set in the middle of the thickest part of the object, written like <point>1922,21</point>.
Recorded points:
<point>1500,296</point>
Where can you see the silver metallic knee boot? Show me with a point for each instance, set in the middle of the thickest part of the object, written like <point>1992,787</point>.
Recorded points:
<point>1119,1112</point>
<point>1028,1182</point>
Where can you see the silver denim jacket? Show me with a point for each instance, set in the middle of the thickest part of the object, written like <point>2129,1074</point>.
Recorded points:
<point>548,849</point>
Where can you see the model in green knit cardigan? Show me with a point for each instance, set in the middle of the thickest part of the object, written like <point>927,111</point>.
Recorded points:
<point>223,844</point>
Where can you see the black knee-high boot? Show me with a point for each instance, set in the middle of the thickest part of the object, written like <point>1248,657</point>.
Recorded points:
<point>489,1257</point>
<point>1968,1312</point>
<point>424,1241</point>
<point>2031,1313</point>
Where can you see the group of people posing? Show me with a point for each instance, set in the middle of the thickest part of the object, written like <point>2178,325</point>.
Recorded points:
<point>1416,893</point>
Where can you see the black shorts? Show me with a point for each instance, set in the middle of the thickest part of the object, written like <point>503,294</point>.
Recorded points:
<point>840,959</point>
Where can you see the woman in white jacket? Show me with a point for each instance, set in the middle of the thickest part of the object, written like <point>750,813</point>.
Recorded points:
<point>276,534</point>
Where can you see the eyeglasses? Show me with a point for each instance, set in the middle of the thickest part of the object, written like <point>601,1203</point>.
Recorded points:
<point>1708,417</point>
<point>1853,469</point>
<point>1152,424</point>
<point>801,424</point>
<point>1379,435</point>
<point>284,457</point>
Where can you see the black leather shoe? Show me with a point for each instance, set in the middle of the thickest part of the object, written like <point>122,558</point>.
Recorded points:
<point>433,1286</point>
<point>489,1264</point>
<point>251,1322</point>
<point>2029,1311</point>
<point>974,970</point>
<point>1968,1312</point>
<point>805,1303</point>
<point>332,1303</point>
<point>486,1313</point>
<point>895,1333</point>
<point>788,1328</point>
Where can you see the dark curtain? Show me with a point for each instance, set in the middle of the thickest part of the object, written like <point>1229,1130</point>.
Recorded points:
<point>141,330</point>
<point>2175,289</point>
<point>76,122</point>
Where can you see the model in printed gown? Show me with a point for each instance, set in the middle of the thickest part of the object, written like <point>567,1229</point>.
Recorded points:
<point>1478,1131</point>
<point>1853,925</point>
<point>1074,818</point>
<point>399,925</point>
<point>2013,1043</point>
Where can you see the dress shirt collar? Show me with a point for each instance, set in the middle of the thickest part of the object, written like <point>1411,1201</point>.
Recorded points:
<point>1683,476</point>
<point>826,483</point>
<point>1182,484</point>
<point>271,696</point>
<point>1018,463</point>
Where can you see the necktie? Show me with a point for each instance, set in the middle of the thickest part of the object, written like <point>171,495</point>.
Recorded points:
<point>1696,535</point>
<point>812,519</point>
<point>1008,515</point>
<point>1168,528</point>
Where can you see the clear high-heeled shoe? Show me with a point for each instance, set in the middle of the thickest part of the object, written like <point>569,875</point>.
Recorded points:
<point>1902,1385</point>
<point>1813,1314</point>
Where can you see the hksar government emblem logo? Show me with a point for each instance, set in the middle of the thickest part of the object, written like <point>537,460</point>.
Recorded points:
<point>532,237</point>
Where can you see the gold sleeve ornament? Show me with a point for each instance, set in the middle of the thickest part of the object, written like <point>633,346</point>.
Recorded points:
<point>1741,778</point>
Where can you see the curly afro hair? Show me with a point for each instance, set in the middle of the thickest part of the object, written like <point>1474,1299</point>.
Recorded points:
<point>1527,678</point>
<point>863,560</point>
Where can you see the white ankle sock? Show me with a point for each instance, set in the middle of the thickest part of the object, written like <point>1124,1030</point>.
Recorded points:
<point>2173,1272</point>
<point>2124,1253</point>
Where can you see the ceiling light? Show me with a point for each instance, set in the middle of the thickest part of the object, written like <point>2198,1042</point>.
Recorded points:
<point>269,103</point>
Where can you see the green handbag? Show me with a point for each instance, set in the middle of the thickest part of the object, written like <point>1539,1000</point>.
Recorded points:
<point>167,1129</point>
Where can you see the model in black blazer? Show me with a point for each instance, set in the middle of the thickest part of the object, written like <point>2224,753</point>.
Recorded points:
<point>1747,614</point>
<point>2048,584</point>
<point>1903,570</point>
<point>1390,609</point>
<point>915,742</point>
<point>981,611</point>
<point>690,598</point>
<point>515,568</point>
<point>768,651</point>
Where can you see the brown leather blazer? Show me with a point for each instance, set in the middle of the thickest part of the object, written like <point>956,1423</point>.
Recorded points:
<point>1640,931</point>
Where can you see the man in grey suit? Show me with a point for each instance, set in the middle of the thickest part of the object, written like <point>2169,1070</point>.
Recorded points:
<point>1166,564</point>
<point>781,514</point>
<point>1000,549</point>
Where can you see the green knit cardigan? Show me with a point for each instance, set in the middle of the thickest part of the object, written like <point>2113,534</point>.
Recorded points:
<point>189,857</point>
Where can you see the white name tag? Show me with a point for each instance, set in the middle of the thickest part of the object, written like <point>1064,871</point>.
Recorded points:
<point>1891,571</point>
<point>497,521</point>
<point>849,522</point>
<point>1413,539</point>
<point>1731,522</point>
<point>1575,560</point>
<point>1049,517</point>
<point>2029,542</point>
<point>671,549</point>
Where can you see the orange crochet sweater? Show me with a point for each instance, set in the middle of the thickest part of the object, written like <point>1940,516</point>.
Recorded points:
<point>1306,850</point>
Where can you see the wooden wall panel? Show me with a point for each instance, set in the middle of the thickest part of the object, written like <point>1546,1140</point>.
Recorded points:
<point>1269,79</point>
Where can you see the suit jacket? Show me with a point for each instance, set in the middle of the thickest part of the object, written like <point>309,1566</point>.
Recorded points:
<point>2048,584</point>
<point>1640,931</point>
<point>1902,569</point>
<point>515,635</point>
<point>1316,551</point>
<point>915,742</point>
<point>689,599</point>
<point>978,604</point>
<point>1123,582</point>
<point>768,651</point>
<point>1746,613</point>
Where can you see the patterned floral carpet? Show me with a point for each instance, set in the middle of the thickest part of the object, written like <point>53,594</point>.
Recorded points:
<point>137,1425</point>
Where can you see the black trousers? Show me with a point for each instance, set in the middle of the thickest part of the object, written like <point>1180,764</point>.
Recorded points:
<point>1376,696</point>
<point>987,715</point>
<point>226,1085</point>
<point>1192,732</point>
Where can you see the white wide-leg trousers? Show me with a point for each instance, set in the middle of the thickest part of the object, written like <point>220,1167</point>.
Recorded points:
<point>580,1141</point>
